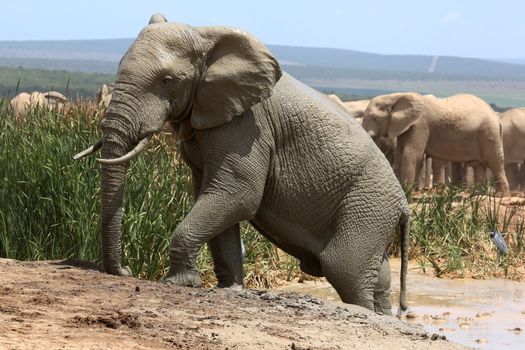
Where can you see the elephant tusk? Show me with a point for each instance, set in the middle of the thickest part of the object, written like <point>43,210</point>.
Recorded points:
<point>130,155</point>
<point>90,150</point>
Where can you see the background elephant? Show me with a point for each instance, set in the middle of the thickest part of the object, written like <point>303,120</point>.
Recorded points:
<point>335,98</point>
<point>460,128</point>
<point>23,102</point>
<point>104,95</point>
<point>355,108</point>
<point>513,125</point>
<point>262,147</point>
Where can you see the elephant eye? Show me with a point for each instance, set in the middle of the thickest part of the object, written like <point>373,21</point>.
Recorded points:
<point>167,80</point>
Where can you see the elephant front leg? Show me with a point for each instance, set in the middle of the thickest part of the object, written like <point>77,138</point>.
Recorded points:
<point>225,248</point>
<point>214,218</point>
<point>410,148</point>
<point>227,257</point>
<point>410,164</point>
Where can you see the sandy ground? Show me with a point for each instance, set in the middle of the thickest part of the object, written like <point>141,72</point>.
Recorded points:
<point>58,305</point>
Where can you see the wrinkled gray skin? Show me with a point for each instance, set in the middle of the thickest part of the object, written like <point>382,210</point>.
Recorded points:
<point>262,147</point>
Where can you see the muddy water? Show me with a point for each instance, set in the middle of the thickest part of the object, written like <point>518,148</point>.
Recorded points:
<point>486,314</point>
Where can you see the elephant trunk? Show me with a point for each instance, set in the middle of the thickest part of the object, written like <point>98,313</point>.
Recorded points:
<point>116,142</point>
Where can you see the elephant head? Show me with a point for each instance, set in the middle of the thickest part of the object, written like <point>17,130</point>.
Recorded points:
<point>194,78</point>
<point>391,115</point>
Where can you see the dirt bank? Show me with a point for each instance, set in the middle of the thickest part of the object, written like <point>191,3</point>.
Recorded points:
<point>52,305</point>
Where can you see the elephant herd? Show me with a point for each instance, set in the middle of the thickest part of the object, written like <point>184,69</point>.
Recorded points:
<point>24,102</point>
<point>455,138</point>
<point>265,148</point>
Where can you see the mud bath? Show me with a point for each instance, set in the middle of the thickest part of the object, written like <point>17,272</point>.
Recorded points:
<point>52,305</point>
<point>486,314</point>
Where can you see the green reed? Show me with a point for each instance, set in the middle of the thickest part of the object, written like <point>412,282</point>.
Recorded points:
<point>450,231</point>
<point>49,203</point>
<point>49,208</point>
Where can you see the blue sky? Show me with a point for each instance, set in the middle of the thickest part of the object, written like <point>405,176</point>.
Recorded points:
<point>486,29</point>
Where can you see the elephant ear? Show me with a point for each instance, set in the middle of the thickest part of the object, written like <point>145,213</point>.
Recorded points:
<point>157,18</point>
<point>405,111</point>
<point>239,72</point>
<point>105,90</point>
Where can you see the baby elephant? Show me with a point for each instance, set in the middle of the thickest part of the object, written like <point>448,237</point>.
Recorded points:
<point>262,147</point>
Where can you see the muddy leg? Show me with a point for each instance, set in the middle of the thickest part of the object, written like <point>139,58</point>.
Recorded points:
<point>382,290</point>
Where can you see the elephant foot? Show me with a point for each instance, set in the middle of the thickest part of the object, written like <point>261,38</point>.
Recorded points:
<point>234,287</point>
<point>123,271</point>
<point>188,278</point>
<point>382,309</point>
<point>401,312</point>
<point>227,284</point>
<point>501,194</point>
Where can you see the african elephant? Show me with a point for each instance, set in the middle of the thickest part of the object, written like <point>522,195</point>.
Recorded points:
<point>461,128</point>
<point>23,102</point>
<point>513,124</point>
<point>355,108</point>
<point>262,147</point>
<point>335,98</point>
<point>104,95</point>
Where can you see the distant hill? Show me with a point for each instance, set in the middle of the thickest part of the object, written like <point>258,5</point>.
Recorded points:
<point>431,65</point>
<point>512,60</point>
<point>102,56</point>
<point>98,50</point>
<point>72,84</point>
<point>350,74</point>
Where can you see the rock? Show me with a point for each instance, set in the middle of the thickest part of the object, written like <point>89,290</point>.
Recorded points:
<point>464,325</point>
<point>438,337</point>
<point>411,315</point>
<point>446,330</point>
<point>516,330</point>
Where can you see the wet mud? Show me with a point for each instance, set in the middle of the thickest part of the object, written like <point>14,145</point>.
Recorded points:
<point>486,314</point>
<point>52,305</point>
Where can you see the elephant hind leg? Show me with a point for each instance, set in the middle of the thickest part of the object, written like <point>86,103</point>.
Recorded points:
<point>354,283</point>
<point>351,265</point>
<point>512,172</point>
<point>312,266</point>
<point>522,176</point>
<point>492,153</point>
<point>382,290</point>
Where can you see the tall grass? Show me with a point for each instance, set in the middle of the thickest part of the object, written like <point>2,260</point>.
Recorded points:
<point>450,231</point>
<point>49,208</point>
<point>49,204</point>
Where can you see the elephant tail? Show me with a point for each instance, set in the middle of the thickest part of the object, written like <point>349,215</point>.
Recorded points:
<point>405,235</point>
